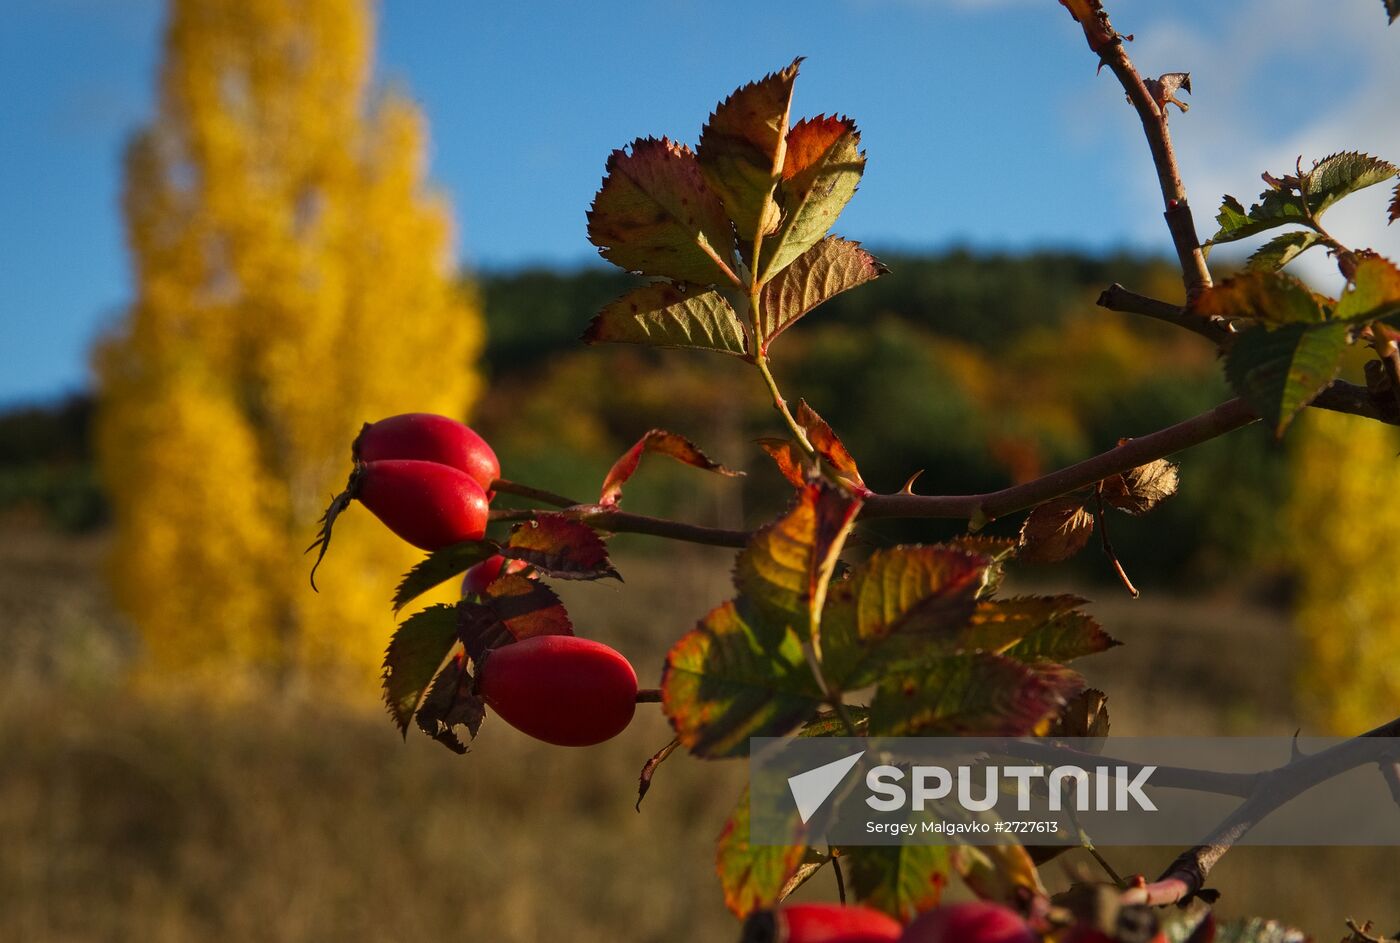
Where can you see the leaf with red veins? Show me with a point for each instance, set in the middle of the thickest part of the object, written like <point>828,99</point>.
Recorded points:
<point>655,215</point>
<point>1055,531</point>
<point>789,459</point>
<point>512,608</point>
<point>742,149</point>
<point>661,314</point>
<point>561,547</point>
<point>824,271</point>
<point>662,443</point>
<point>828,445</point>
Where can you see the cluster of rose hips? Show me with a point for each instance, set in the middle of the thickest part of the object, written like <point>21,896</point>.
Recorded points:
<point>430,480</point>
<point>972,922</point>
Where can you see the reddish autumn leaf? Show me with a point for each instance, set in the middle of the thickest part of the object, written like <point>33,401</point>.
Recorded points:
<point>561,547</point>
<point>1266,297</point>
<point>754,876</point>
<point>742,149</point>
<point>1373,292</point>
<point>1055,531</point>
<point>662,443</point>
<point>828,444</point>
<point>830,267</point>
<point>789,459</point>
<point>820,175</point>
<point>655,215</point>
<point>512,608</point>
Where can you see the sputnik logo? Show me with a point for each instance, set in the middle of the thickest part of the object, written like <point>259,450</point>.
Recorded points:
<point>811,789</point>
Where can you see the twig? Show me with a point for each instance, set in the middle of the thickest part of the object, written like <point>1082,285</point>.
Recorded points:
<point>1185,877</point>
<point>1117,298</point>
<point>649,696</point>
<point>1108,545</point>
<point>840,878</point>
<point>527,491</point>
<point>621,522</point>
<point>1109,45</point>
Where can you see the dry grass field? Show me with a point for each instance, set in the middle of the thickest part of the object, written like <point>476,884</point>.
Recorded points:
<point>130,819</point>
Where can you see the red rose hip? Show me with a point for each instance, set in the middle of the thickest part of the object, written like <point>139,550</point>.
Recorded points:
<point>565,690</point>
<point>426,437</point>
<point>484,573</point>
<point>821,923</point>
<point>972,922</point>
<point>429,505</point>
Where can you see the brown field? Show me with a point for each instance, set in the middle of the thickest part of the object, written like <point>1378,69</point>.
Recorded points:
<point>129,819</point>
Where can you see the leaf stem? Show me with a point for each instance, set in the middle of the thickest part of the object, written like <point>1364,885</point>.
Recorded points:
<point>799,436</point>
<point>649,696</point>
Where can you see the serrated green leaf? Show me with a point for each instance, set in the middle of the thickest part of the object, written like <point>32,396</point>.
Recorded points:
<point>742,148</point>
<point>439,567</point>
<point>1279,371</point>
<point>1063,638</point>
<point>1275,208</point>
<point>415,653</point>
<point>1266,297</point>
<point>754,876</point>
<point>899,602</point>
<point>900,880</point>
<point>824,271</point>
<point>820,175</point>
<point>998,624</point>
<point>783,572</point>
<point>655,215</point>
<point>1372,294</point>
<point>1282,249</point>
<point>512,608</point>
<point>972,695</point>
<point>560,547</point>
<point>1339,175</point>
<point>728,680</point>
<point>659,442</point>
<point>664,315</point>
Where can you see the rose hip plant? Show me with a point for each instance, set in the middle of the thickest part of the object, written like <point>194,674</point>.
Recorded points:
<point>822,636</point>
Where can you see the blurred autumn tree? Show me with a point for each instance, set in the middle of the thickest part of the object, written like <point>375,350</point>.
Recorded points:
<point>1345,550</point>
<point>294,278</point>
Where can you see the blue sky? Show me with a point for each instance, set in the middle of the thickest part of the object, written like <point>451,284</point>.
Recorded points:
<point>984,121</point>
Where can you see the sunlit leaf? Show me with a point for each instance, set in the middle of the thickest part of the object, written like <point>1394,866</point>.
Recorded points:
<point>1061,638</point>
<point>1282,249</point>
<point>1003,873</point>
<point>742,148</point>
<point>1085,716</point>
<point>1298,198</point>
<point>730,679</point>
<point>789,459</point>
<point>655,215</point>
<point>1339,175</point>
<point>784,570</point>
<point>754,876</point>
<point>823,167</point>
<point>1266,297</point>
<point>660,442</point>
<point>451,702</point>
<point>998,624</point>
<point>1138,490</point>
<point>665,315</point>
<point>1373,293</point>
<point>1055,531</point>
<point>415,653</point>
<point>830,267</point>
<point>900,880</point>
<point>898,602</point>
<point>1274,209</point>
<point>1279,371</point>
<point>560,547</point>
<point>827,444</point>
<point>439,567</point>
<point>973,695</point>
<point>512,608</point>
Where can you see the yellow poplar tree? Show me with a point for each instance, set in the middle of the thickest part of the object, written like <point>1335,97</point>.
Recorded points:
<point>294,279</point>
<point>1346,553</point>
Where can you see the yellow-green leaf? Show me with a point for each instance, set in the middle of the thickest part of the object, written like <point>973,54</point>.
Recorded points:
<point>666,315</point>
<point>823,167</point>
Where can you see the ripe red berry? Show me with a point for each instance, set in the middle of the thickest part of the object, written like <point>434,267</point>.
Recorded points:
<point>561,689</point>
<point>429,505</point>
<point>425,437</point>
<point>484,573</point>
<point>821,923</point>
<point>972,922</point>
